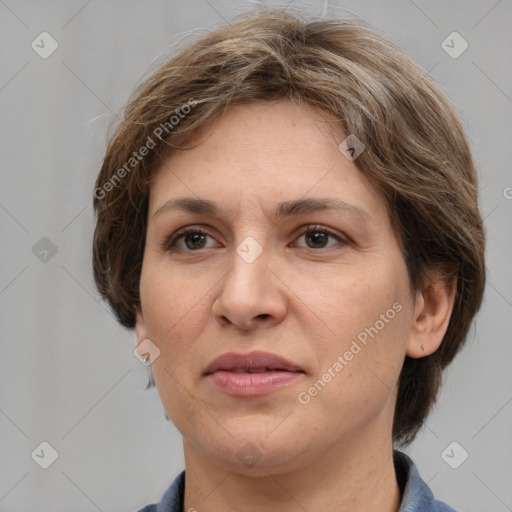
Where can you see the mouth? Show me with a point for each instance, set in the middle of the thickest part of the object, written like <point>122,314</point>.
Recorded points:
<point>255,370</point>
<point>252,374</point>
<point>252,362</point>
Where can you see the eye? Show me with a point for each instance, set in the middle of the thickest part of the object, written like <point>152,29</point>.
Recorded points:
<point>187,239</point>
<point>317,237</point>
<point>192,239</point>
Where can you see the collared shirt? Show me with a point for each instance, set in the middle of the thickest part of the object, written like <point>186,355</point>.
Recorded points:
<point>416,494</point>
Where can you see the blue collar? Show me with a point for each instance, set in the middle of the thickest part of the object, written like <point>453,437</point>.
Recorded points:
<point>417,496</point>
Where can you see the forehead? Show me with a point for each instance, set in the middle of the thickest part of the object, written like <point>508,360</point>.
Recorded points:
<point>257,155</point>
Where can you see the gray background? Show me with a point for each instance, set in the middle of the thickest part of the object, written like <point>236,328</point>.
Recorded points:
<point>68,375</point>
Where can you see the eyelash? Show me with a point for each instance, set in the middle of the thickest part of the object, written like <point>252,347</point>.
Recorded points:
<point>169,244</point>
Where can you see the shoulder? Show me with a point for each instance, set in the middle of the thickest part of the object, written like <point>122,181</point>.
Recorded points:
<point>417,495</point>
<point>172,500</point>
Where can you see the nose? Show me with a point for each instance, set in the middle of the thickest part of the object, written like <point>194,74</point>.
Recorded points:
<point>251,296</point>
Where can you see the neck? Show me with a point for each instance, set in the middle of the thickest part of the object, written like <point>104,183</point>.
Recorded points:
<point>355,476</point>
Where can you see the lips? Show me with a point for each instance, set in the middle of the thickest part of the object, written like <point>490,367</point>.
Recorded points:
<point>254,362</point>
<point>251,374</point>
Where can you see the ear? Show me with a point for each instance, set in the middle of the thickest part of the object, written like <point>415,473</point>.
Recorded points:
<point>140,326</point>
<point>432,311</point>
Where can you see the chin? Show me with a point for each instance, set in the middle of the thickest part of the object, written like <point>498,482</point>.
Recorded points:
<point>258,454</point>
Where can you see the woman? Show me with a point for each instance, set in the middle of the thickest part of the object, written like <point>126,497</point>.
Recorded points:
<point>288,217</point>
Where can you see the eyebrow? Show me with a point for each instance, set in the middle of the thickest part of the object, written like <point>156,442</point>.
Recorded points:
<point>285,209</point>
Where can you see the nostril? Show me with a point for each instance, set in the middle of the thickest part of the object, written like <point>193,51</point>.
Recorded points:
<point>263,316</point>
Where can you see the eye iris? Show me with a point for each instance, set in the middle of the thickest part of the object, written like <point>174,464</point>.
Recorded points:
<point>317,238</point>
<point>314,239</point>
<point>195,239</point>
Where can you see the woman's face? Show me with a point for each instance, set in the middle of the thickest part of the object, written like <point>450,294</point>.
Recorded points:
<point>324,288</point>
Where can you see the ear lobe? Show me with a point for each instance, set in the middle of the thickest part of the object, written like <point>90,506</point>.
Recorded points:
<point>432,312</point>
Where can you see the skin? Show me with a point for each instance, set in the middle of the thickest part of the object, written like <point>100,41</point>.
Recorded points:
<point>303,300</point>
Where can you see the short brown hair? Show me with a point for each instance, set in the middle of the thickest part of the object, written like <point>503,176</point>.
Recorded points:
<point>416,154</point>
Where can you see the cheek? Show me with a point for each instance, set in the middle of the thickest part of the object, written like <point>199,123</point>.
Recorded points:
<point>366,311</point>
<point>359,367</point>
<point>351,301</point>
<point>167,297</point>
<point>172,309</point>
